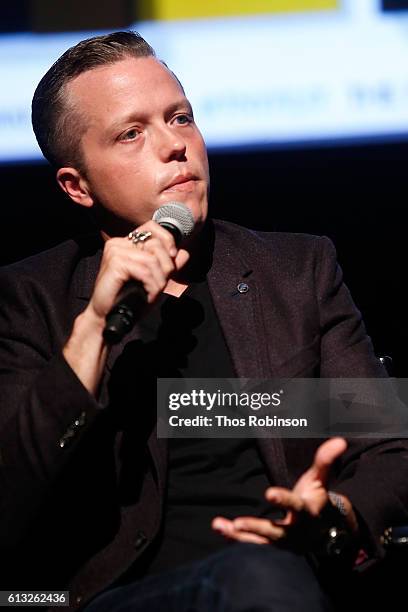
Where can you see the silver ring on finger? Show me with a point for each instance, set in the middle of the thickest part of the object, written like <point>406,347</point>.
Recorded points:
<point>139,238</point>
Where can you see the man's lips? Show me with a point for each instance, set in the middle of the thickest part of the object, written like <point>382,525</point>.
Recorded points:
<point>181,183</point>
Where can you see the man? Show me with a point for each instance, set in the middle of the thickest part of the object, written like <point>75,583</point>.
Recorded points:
<point>91,499</point>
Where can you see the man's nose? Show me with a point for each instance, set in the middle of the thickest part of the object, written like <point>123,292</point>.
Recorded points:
<point>170,144</point>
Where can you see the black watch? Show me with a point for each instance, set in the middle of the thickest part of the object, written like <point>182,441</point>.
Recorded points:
<point>336,540</point>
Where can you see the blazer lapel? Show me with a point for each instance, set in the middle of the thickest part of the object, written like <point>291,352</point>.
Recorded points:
<point>236,300</point>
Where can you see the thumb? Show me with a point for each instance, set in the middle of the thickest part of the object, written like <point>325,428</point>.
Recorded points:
<point>181,259</point>
<point>325,456</point>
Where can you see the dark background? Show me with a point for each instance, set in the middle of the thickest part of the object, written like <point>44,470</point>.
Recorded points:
<point>395,5</point>
<point>356,195</point>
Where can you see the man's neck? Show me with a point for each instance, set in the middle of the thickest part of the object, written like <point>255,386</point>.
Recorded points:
<point>201,251</point>
<point>175,288</point>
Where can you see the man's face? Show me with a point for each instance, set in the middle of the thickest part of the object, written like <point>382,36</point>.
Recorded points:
<point>141,148</point>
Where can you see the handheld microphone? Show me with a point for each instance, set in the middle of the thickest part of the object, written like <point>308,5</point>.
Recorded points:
<point>177,219</point>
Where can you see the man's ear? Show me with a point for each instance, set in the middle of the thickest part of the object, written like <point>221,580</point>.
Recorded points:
<point>75,185</point>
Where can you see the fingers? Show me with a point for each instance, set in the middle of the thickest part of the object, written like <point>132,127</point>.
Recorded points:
<point>249,529</point>
<point>251,538</point>
<point>181,259</point>
<point>329,451</point>
<point>325,456</point>
<point>161,234</point>
<point>298,502</point>
<point>150,262</point>
<point>260,527</point>
<point>284,498</point>
<point>288,500</point>
<point>306,499</point>
<point>309,493</point>
<point>226,528</point>
<point>153,253</point>
<point>122,261</point>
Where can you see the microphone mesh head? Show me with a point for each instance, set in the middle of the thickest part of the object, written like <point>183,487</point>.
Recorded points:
<point>177,214</point>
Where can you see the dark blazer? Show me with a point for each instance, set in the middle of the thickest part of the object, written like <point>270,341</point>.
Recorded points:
<point>82,481</point>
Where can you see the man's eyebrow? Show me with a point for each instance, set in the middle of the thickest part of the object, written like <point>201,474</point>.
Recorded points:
<point>180,104</point>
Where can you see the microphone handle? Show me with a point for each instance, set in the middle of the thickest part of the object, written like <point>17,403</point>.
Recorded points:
<point>129,307</point>
<point>131,302</point>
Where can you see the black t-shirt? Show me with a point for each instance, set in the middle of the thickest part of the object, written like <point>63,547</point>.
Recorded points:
<point>181,337</point>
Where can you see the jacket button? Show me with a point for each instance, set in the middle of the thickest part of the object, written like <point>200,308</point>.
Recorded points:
<point>242,287</point>
<point>140,539</point>
<point>80,421</point>
<point>66,437</point>
<point>78,599</point>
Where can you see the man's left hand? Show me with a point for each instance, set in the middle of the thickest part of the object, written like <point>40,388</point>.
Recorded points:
<point>303,504</point>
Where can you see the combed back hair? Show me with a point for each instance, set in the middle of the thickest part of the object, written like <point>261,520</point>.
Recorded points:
<point>57,124</point>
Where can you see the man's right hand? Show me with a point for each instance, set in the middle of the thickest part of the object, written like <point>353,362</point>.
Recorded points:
<point>151,263</point>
